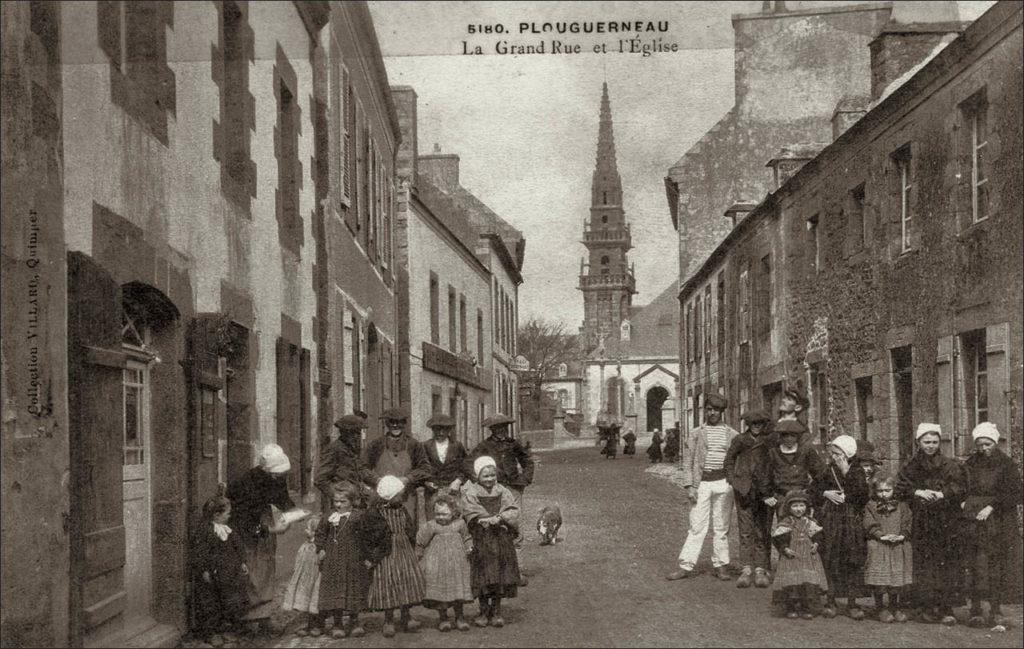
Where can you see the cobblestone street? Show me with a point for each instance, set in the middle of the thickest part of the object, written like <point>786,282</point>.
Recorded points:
<point>603,584</point>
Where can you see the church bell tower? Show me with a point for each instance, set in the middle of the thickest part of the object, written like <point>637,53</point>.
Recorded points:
<point>606,277</point>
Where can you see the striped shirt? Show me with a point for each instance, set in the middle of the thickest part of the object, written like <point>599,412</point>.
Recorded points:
<point>718,444</point>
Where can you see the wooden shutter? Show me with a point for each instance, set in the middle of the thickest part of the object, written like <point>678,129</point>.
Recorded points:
<point>96,431</point>
<point>996,341</point>
<point>348,129</point>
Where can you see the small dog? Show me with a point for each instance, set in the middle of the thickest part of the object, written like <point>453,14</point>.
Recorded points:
<point>548,522</point>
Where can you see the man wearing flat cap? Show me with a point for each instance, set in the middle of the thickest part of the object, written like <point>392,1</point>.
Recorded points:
<point>708,491</point>
<point>397,453</point>
<point>446,459</point>
<point>746,459</point>
<point>340,461</point>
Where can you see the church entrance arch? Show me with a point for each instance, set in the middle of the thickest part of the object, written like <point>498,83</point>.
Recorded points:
<point>656,398</point>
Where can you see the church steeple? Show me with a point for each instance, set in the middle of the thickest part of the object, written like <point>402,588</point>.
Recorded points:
<point>606,278</point>
<point>606,186</point>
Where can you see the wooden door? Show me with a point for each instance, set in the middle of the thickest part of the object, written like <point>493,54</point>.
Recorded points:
<point>137,498</point>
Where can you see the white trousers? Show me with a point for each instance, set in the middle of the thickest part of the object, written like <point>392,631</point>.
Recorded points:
<point>714,502</point>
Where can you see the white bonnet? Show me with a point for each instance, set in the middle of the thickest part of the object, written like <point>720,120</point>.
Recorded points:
<point>274,460</point>
<point>389,486</point>
<point>987,430</point>
<point>924,429</point>
<point>483,462</point>
<point>846,444</point>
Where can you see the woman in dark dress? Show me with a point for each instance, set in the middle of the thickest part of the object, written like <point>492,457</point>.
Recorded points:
<point>654,451</point>
<point>990,526</point>
<point>934,485</point>
<point>629,443</point>
<point>672,445</point>
<point>841,493</point>
<point>251,497</point>
<point>492,514</point>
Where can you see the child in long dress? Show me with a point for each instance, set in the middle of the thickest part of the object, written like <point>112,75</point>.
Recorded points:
<point>799,576</point>
<point>444,545</point>
<point>350,544</point>
<point>222,573</point>
<point>398,581</point>
<point>890,563</point>
<point>303,592</point>
<point>491,511</point>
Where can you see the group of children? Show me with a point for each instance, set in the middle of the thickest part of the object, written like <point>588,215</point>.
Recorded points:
<point>925,536</point>
<point>370,557</point>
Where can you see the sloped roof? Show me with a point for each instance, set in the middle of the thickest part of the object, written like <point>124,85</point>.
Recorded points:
<point>447,211</point>
<point>486,221</point>
<point>654,329</point>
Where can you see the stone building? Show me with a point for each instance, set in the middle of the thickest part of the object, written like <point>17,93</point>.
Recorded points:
<point>630,358</point>
<point>501,249</point>
<point>445,321</point>
<point>225,174</point>
<point>893,288</point>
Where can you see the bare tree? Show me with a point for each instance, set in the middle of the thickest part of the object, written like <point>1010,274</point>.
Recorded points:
<point>546,345</point>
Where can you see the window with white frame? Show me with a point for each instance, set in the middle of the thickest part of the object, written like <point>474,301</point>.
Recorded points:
<point>975,112</point>
<point>904,185</point>
<point>814,236</point>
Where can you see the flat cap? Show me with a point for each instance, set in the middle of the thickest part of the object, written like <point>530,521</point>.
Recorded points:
<point>497,420</point>
<point>400,413</point>
<point>791,427</point>
<point>351,422</point>
<point>756,417</point>
<point>716,401</point>
<point>440,420</point>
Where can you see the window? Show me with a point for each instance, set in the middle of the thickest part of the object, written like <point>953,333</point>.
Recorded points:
<point>814,238</point>
<point>865,404</point>
<point>744,305</point>
<point>975,112</point>
<point>435,401</point>
<point>902,362</point>
<point>720,318</point>
<point>859,229</point>
<point>604,218</point>
<point>697,333</point>
<point>349,150</point>
<point>975,364</point>
<point>435,336</point>
<point>452,345</point>
<point>462,323</point>
<point>133,379</point>
<point>357,369</point>
<point>708,317</point>
<point>765,298</point>
<point>289,220</point>
<point>563,370</point>
<point>904,184</point>
<point>479,337</point>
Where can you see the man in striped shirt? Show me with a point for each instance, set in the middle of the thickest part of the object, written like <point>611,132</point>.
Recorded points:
<point>710,495</point>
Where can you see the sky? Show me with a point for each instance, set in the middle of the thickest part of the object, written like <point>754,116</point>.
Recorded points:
<point>525,125</point>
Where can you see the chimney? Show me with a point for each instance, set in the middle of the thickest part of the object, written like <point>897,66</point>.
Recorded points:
<point>441,168</point>
<point>915,32</point>
<point>404,98</point>
<point>789,159</point>
<point>739,210</point>
<point>848,111</point>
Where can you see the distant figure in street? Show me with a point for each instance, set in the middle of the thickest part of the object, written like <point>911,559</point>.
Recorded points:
<point>990,522</point>
<point>654,450</point>
<point>710,495</point>
<point>800,577</point>
<point>672,445</point>
<point>221,573</point>
<point>609,431</point>
<point>889,565</point>
<point>629,443</point>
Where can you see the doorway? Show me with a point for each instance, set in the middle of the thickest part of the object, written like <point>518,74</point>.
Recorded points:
<point>656,398</point>
<point>137,498</point>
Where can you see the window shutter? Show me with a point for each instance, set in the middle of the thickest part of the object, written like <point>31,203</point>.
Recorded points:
<point>349,116</point>
<point>996,340</point>
<point>946,391</point>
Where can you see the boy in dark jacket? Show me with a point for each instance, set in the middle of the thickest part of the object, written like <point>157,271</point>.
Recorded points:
<point>746,459</point>
<point>791,464</point>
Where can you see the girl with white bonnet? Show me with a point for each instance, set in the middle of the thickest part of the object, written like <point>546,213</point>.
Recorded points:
<point>251,498</point>
<point>989,513</point>
<point>841,492</point>
<point>491,511</point>
<point>934,485</point>
<point>397,581</point>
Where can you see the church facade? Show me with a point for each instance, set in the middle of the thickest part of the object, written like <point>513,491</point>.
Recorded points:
<point>629,363</point>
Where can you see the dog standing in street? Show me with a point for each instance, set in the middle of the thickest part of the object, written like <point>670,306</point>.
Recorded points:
<point>548,522</point>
